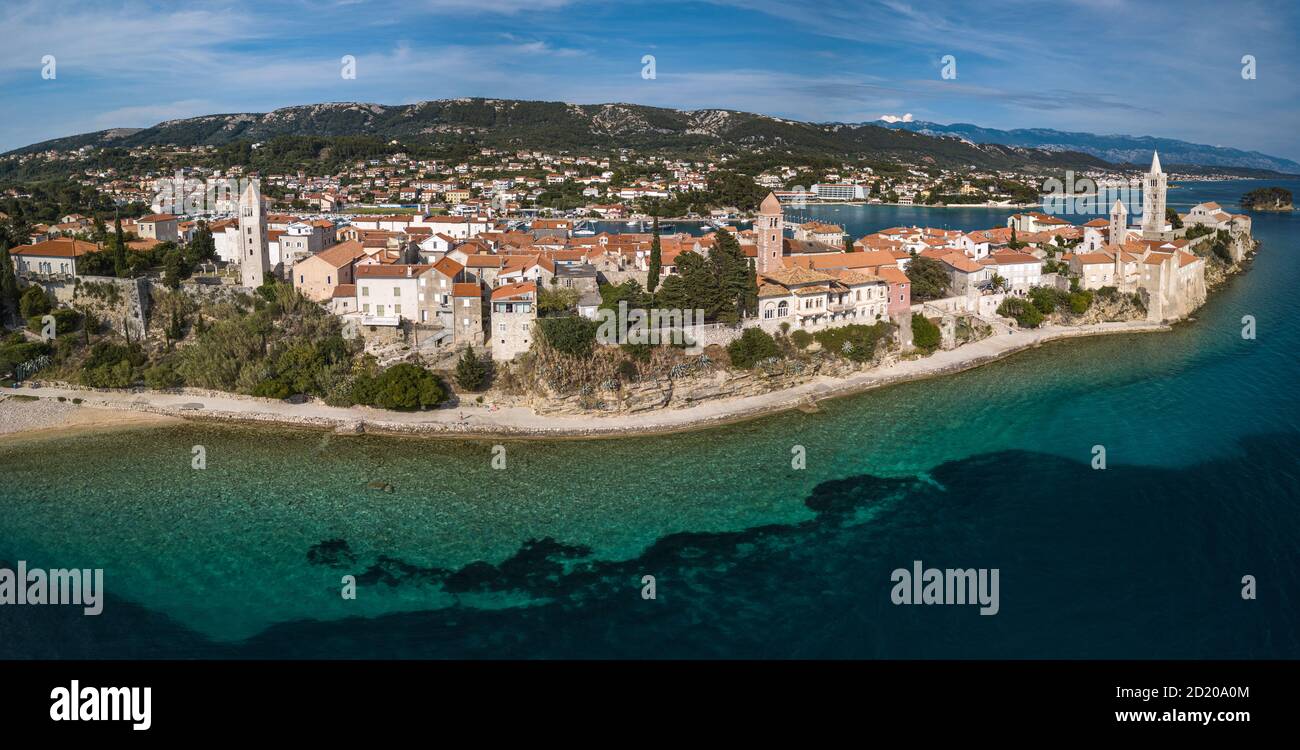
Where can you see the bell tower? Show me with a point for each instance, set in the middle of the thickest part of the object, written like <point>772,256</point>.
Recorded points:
<point>1154,186</point>
<point>1118,223</point>
<point>770,229</point>
<point>254,255</point>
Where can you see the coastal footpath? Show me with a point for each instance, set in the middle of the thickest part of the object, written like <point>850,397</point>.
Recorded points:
<point>476,420</point>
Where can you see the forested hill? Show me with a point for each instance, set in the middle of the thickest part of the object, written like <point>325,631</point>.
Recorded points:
<point>557,126</point>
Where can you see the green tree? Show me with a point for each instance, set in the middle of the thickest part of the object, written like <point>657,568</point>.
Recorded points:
<point>8,286</point>
<point>471,372</point>
<point>652,281</point>
<point>1173,218</point>
<point>408,387</point>
<point>929,278</point>
<point>925,334</point>
<point>735,278</point>
<point>753,346</point>
<point>120,264</point>
<point>34,302</point>
<point>173,269</point>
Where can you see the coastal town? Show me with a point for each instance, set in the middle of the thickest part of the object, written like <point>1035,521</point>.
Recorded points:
<point>480,303</point>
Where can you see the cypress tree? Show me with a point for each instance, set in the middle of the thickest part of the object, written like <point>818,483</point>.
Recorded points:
<point>653,281</point>
<point>119,248</point>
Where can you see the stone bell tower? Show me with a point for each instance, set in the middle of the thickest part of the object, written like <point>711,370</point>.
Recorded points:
<point>1118,223</point>
<point>1154,186</point>
<point>254,254</point>
<point>770,230</point>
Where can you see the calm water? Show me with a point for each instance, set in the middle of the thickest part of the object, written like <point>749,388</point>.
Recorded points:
<point>752,558</point>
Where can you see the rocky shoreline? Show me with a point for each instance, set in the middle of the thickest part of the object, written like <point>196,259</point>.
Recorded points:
<point>483,421</point>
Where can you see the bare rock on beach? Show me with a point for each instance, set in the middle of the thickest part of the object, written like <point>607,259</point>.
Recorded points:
<point>351,428</point>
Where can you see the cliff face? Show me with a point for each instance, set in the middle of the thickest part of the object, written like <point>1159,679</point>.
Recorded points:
<point>676,392</point>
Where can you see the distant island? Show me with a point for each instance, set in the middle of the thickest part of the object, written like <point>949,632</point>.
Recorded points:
<point>1267,199</point>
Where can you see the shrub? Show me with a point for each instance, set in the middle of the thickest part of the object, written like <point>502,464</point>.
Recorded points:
<point>801,338</point>
<point>65,321</point>
<point>925,334</point>
<point>162,375</point>
<point>34,302</point>
<point>1080,302</point>
<point>753,346</point>
<point>408,387</point>
<point>856,342</point>
<point>570,335</point>
<point>1025,314</point>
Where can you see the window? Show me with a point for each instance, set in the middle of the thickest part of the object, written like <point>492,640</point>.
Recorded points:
<point>397,291</point>
<point>366,308</point>
<point>301,279</point>
<point>365,291</point>
<point>397,309</point>
<point>501,327</point>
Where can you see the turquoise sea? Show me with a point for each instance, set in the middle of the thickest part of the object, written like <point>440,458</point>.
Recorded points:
<point>751,557</point>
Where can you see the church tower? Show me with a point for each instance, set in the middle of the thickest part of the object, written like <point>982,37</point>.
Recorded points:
<point>254,255</point>
<point>770,230</point>
<point>1153,200</point>
<point>1118,223</point>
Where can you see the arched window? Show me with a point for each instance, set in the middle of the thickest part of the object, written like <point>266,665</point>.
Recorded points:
<point>783,309</point>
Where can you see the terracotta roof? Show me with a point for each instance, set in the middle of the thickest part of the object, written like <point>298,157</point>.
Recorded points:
<point>961,263</point>
<point>345,290</point>
<point>796,275</point>
<point>448,267</point>
<point>64,247</point>
<point>341,254</point>
<point>511,291</point>
<point>466,290</point>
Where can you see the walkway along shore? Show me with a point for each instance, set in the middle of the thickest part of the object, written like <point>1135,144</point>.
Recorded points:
<point>474,420</point>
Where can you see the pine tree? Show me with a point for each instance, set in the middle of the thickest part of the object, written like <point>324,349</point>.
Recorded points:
<point>471,374</point>
<point>653,281</point>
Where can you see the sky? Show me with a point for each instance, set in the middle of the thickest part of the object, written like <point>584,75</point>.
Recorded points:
<point>1142,67</point>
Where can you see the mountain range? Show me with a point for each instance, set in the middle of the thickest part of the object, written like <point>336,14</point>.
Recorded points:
<point>518,124</point>
<point>751,138</point>
<point>1119,149</point>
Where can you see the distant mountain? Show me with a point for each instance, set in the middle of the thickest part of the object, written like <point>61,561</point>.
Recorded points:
<point>560,126</point>
<point>1119,149</point>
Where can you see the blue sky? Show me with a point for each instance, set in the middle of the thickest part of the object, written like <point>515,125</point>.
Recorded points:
<point>1106,66</point>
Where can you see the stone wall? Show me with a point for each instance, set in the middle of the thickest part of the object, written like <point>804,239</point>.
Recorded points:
<point>130,309</point>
